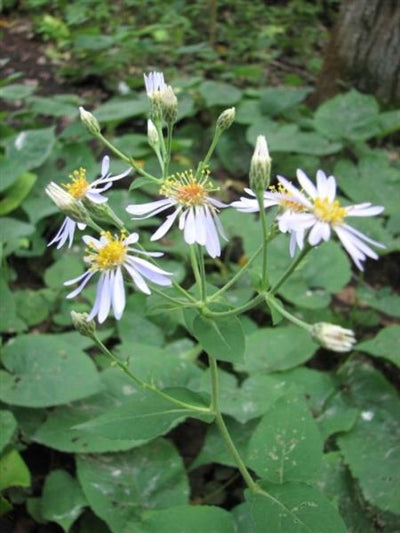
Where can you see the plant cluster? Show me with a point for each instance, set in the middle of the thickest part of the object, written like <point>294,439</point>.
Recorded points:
<point>112,42</point>
<point>225,321</point>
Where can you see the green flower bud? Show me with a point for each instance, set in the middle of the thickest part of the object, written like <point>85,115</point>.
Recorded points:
<point>260,166</point>
<point>85,327</point>
<point>226,119</point>
<point>102,212</point>
<point>169,105</point>
<point>152,134</point>
<point>67,204</point>
<point>89,121</point>
<point>333,337</point>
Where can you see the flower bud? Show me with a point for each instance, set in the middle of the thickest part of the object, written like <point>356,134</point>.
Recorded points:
<point>260,166</point>
<point>226,119</point>
<point>66,203</point>
<point>85,327</point>
<point>169,105</point>
<point>152,134</point>
<point>89,121</point>
<point>102,212</point>
<point>333,337</point>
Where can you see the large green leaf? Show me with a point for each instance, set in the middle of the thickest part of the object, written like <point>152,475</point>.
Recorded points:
<point>385,344</point>
<point>29,149</point>
<point>222,339</point>
<point>8,426</point>
<point>145,416</point>
<point>121,108</point>
<point>286,445</point>
<point>288,508</point>
<point>13,471</point>
<point>383,300</point>
<point>15,194</point>
<point>217,93</point>
<point>43,370</point>
<point>62,499</point>
<point>352,116</point>
<point>274,100</point>
<point>279,348</point>
<point>188,518</point>
<point>120,487</point>
<point>371,448</point>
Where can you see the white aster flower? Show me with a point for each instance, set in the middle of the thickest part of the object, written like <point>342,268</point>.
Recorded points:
<point>333,337</point>
<point>322,213</point>
<point>109,256</point>
<point>281,198</point>
<point>197,211</point>
<point>154,83</point>
<point>79,191</point>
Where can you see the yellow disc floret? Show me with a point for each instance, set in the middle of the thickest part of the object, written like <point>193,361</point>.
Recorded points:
<point>328,211</point>
<point>109,255</point>
<point>79,185</point>
<point>285,202</point>
<point>186,189</point>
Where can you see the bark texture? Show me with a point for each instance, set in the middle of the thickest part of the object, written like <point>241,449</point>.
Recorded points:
<point>363,51</point>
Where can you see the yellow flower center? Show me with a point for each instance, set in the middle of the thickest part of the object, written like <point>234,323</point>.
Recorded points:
<point>330,212</point>
<point>79,185</point>
<point>110,255</point>
<point>286,203</point>
<point>187,190</point>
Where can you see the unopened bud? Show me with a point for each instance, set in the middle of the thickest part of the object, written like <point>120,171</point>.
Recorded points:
<point>333,337</point>
<point>85,327</point>
<point>155,86</point>
<point>226,119</point>
<point>169,104</point>
<point>102,212</point>
<point>152,134</point>
<point>89,121</point>
<point>260,166</point>
<point>66,203</point>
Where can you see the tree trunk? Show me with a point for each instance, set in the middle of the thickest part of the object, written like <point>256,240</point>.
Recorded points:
<point>363,51</point>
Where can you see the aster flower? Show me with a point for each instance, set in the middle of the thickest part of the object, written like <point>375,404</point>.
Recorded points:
<point>77,193</point>
<point>109,256</point>
<point>154,83</point>
<point>196,210</point>
<point>281,198</point>
<point>322,214</point>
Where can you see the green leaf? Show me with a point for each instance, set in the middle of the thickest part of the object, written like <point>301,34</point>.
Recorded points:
<point>336,483</point>
<point>16,91</point>
<point>289,138</point>
<point>222,339</point>
<point>8,426</point>
<point>217,93</point>
<point>145,416</point>
<point>67,267</point>
<point>121,109</point>
<point>13,234</point>
<point>279,348</point>
<point>59,105</point>
<point>13,471</point>
<point>33,307</point>
<point>385,344</point>
<point>17,192</point>
<point>371,448</point>
<point>383,300</point>
<point>389,121</point>
<point>8,308</point>
<point>337,416</point>
<point>289,508</point>
<point>286,445</point>
<point>44,371</point>
<point>62,499</point>
<point>30,148</point>
<point>214,449</point>
<point>274,100</point>
<point>120,487</point>
<point>352,116</point>
<point>188,518</point>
